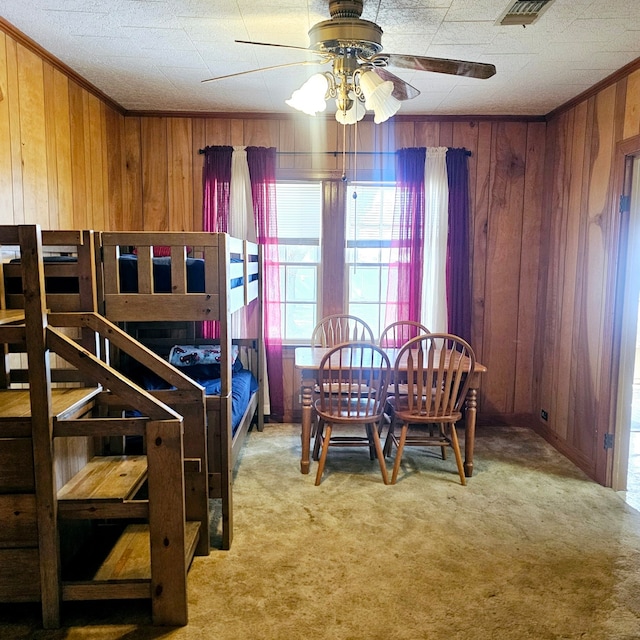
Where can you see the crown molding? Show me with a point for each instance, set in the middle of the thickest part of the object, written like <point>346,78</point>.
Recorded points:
<point>32,45</point>
<point>616,76</point>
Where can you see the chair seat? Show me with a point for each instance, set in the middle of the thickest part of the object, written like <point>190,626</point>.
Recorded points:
<point>355,408</point>
<point>399,408</point>
<point>341,387</point>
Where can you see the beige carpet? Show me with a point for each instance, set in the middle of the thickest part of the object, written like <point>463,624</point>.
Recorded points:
<point>529,549</point>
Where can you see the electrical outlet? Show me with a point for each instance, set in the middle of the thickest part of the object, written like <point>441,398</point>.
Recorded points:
<point>544,415</point>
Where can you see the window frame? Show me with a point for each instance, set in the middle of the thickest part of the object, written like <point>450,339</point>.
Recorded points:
<point>333,267</point>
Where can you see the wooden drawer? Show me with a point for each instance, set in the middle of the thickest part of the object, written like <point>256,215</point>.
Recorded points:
<point>19,575</point>
<point>16,465</point>
<point>18,517</point>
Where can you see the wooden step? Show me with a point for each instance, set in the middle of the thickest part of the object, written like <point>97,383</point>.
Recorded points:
<point>106,479</point>
<point>15,403</point>
<point>126,572</point>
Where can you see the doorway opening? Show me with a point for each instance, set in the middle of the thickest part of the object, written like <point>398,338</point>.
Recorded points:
<point>633,471</point>
<point>626,475</point>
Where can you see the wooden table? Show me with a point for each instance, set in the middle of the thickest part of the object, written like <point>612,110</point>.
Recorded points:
<point>307,361</point>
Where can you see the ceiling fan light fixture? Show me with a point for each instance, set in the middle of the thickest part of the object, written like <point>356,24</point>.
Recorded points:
<point>377,93</point>
<point>353,114</point>
<point>310,97</point>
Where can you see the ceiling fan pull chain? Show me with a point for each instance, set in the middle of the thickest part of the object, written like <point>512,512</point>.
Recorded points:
<point>354,195</point>
<point>344,152</point>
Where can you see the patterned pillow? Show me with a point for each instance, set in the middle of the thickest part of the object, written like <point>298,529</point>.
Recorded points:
<point>188,355</point>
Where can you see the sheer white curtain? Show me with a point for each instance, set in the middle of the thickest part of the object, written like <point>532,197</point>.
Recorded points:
<point>436,228</point>
<point>241,219</point>
<point>242,225</point>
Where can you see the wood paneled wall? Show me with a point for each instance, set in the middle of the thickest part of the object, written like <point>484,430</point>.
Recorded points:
<point>53,145</point>
<point>543,206</point>
<point>575,355</point>
<point>69,160</point>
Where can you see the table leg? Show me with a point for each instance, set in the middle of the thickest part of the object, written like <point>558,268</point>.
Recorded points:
<point>470,430</point>
<point>307,392</point>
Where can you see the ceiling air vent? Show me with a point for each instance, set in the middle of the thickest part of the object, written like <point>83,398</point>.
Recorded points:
<point>523,12</point>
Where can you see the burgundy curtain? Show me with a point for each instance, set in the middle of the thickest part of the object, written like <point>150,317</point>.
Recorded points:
<point>405,272</point>
<point>458,255</point>
<point>262,171</point>
<point>216,183</point>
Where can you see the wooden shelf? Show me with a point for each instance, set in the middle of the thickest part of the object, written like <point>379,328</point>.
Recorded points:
<point>106,479</point>
<point>126,572</point>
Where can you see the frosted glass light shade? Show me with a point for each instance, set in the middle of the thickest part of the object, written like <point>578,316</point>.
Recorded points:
<point>310,97</point>
<point>378,98</point>
<point>352,115</point>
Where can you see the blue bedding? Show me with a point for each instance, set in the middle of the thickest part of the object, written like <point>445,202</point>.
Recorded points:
<point>243,385</point>
<point>128,266</point>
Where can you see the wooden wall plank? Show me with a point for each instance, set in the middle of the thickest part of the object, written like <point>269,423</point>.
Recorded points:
<point>81,214</point>
<point>365,138</point>
<point>480,214</point>
<point>88,169</point>
<point>529,267</point>
<point>503,264</point>
<point>115,163</point>
<point>237,132</point>
<point>217,132</point>
<point>180,174</point>
<point>590,384</point>
<point>286,144</point>
<point>570,248</point>
<point>13,99</point>
<point>33,138</point>
<point>631,125</point>
<point>427,134</point>
<point>260,133</point>
<point>133,196</point>
<point>402,135</point>
<point>6,169</point>
<point>51,154</point>
<point>556,263</point>
<point>198,142</point>
<point>446,134</point>
<point>64,179</point>
<point>99,170</point>
<point>155,194</point>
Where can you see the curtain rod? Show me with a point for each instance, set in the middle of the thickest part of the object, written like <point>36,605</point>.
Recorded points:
<point>335,154</point>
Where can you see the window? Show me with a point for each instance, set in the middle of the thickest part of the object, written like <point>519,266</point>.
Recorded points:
<point>369,225</point>
<point>299,206</point>
<point>361,242</point>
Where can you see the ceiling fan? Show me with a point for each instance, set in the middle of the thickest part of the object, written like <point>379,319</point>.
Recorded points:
<point>360,77</point>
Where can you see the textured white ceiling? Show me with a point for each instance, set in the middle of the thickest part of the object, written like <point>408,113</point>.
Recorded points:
<point>153,54</point>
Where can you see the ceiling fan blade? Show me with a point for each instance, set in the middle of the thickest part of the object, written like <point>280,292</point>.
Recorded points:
<point>402,90</point>
<point>276,66</point>
<point>269,44</point>
<point>439,65</point>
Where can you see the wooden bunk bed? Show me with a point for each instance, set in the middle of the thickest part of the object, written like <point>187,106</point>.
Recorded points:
<point>163,301</point>
<point>58,492</point>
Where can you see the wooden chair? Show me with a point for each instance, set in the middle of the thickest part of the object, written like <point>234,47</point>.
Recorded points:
<point>337,328</point>
<point>397,333</point>
<point>333,330</point>
<point>360,365</point>
<point>436,369</point>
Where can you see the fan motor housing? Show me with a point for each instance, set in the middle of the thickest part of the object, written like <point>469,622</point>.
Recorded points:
<point>340,35</point>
